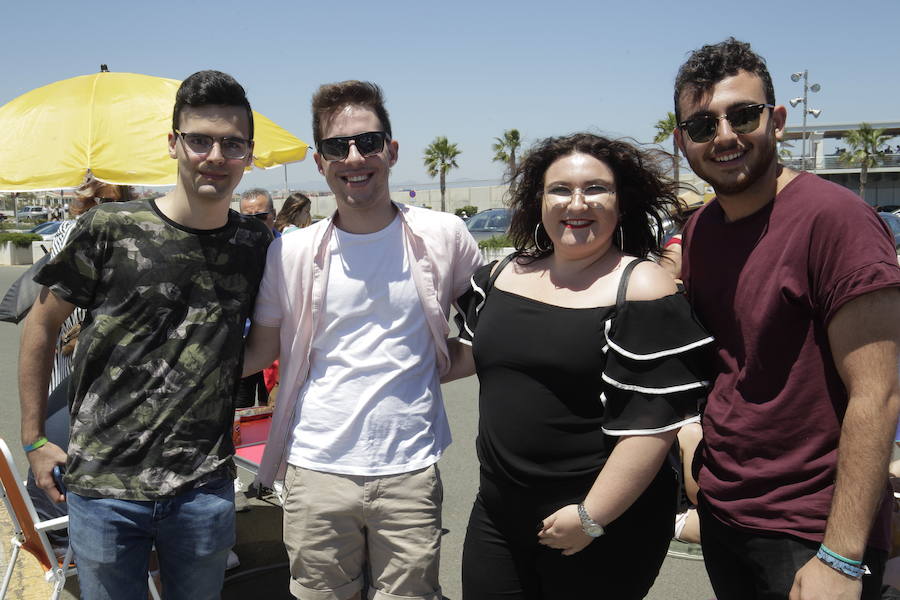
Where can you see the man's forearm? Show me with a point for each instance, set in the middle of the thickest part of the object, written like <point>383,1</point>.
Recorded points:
<point>36,349</point>
<point>863,456</point>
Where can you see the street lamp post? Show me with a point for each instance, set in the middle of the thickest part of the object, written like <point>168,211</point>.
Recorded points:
<point>795,77</point>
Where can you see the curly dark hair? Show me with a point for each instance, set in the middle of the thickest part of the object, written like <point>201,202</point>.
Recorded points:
<point>331,97</point>
<point>712,63</point>
<point>644,192</point>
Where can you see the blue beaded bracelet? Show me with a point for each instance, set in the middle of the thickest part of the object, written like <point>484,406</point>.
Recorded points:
<point>841,566</point>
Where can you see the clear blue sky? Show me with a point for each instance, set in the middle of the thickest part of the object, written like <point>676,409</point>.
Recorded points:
<point>464,69</point>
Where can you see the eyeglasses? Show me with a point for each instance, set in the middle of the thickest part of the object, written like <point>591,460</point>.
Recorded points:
<point>742,120</point>
<point>231,147</point>
<point>261,216</point>
<point>367,144</point>
<point>592,195</point>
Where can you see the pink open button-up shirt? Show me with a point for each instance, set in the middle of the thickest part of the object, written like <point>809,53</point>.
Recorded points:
<point>442,254</point>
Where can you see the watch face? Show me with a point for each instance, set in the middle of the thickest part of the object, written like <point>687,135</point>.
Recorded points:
<point>594,530</point>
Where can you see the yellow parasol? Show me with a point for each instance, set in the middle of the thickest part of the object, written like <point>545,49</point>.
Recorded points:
<point>114,124</point>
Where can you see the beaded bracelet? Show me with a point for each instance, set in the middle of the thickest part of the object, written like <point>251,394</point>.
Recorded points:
<point>35,444</point>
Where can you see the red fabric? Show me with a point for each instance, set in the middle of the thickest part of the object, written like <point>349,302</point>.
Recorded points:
<point>673,241</point>
<point>766,287</point>
<point>270,376</point>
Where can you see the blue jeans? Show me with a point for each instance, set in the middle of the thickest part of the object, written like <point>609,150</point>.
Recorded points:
<point>192,532</point>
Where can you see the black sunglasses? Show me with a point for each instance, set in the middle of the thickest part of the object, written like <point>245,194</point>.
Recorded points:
<point>261,216</point>
<point>742,120</point>
<point>367,144</point>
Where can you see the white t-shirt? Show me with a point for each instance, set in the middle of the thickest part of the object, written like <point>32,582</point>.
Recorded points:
<point>371,404</point>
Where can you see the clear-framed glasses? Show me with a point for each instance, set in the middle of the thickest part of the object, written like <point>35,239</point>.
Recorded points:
<point>592,195</point>
<point>742,120</point>
<point>201,144</point>
<point>367,144</point>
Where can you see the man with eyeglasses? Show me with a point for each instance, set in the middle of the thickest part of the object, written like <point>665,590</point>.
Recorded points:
<point>167,285</point>
<point>357,306</point>
<point>796,278</point>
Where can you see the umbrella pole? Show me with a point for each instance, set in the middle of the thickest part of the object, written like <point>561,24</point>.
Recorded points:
<point>285,181</point>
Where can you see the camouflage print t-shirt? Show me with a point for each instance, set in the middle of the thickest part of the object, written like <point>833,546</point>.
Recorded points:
<point>159,354</point>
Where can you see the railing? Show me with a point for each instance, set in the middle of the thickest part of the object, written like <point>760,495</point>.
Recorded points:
<point>833,162</point>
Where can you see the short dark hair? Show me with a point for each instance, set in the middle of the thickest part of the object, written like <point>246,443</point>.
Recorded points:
<point>712,63</point>
<point>205,88</point>
<point>331,97</point>
<point>255,192</point>
<point>645,194</point>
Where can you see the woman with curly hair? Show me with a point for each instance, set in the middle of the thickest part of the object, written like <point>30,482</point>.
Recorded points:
<point>587,359</point>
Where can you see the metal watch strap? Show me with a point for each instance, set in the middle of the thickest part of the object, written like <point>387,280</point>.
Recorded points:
<point>588,525</point>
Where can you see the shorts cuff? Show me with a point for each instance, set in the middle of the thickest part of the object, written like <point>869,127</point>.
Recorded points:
<point>342,593</point>
<point>379,595</point>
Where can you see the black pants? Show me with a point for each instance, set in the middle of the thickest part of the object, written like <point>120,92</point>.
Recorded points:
<point>744,565</point>
<point>503,560</point>
<point>249,389</point>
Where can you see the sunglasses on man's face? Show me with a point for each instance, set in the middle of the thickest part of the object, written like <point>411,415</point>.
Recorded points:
<point>367,144</point>
<point>742,120</point>
<point>261,216</point>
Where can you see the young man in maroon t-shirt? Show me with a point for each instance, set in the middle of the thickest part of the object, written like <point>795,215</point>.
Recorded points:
<point>797,279</point>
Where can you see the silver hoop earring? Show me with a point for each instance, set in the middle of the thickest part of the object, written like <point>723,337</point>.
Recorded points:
<point>537,244</point>
<point>621,238</point>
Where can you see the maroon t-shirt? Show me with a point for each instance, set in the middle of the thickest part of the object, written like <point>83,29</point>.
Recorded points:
<point>766,287</point>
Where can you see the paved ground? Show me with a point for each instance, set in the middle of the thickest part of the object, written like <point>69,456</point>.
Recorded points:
<point>259,535</point>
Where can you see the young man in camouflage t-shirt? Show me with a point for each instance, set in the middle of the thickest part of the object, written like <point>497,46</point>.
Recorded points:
<point>167,285</point>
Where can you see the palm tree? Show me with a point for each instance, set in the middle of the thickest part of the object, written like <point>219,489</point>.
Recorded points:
<point>505,151</point>
<point>864,144</point>
<point>440,157</point>
<point>665,128</point>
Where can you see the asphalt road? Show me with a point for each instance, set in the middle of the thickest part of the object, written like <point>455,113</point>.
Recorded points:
<point>258,542</point>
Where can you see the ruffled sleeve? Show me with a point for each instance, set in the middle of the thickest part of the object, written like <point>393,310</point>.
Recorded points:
<point>657,367</point>
<point>470,303</point>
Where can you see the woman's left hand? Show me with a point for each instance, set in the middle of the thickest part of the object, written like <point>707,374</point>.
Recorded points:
<point>562,530</point>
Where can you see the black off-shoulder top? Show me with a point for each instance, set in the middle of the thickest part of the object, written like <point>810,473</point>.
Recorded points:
<point>558,385</point>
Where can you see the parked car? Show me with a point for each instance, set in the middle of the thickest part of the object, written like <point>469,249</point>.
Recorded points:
<point>488,223</point>
<point>893,221</point>
<point>35,213</point>
<point>46,230</point>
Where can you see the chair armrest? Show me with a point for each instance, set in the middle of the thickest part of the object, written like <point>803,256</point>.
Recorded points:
<point>52,524</point>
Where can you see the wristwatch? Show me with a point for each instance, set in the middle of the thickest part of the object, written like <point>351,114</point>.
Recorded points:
<point>588,525</point>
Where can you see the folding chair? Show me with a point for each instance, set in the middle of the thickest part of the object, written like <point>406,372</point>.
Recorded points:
<point>30,533</point>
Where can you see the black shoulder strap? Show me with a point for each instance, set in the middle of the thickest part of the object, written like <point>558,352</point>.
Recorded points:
<point>623,282</point>
<point>496,271</point>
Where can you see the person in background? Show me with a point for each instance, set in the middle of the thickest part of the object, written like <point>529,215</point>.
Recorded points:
<point>252,390</point>
<point>295,214</point>
<point>585,378</point>
<point>90,193</point>
<point>257,202</point>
